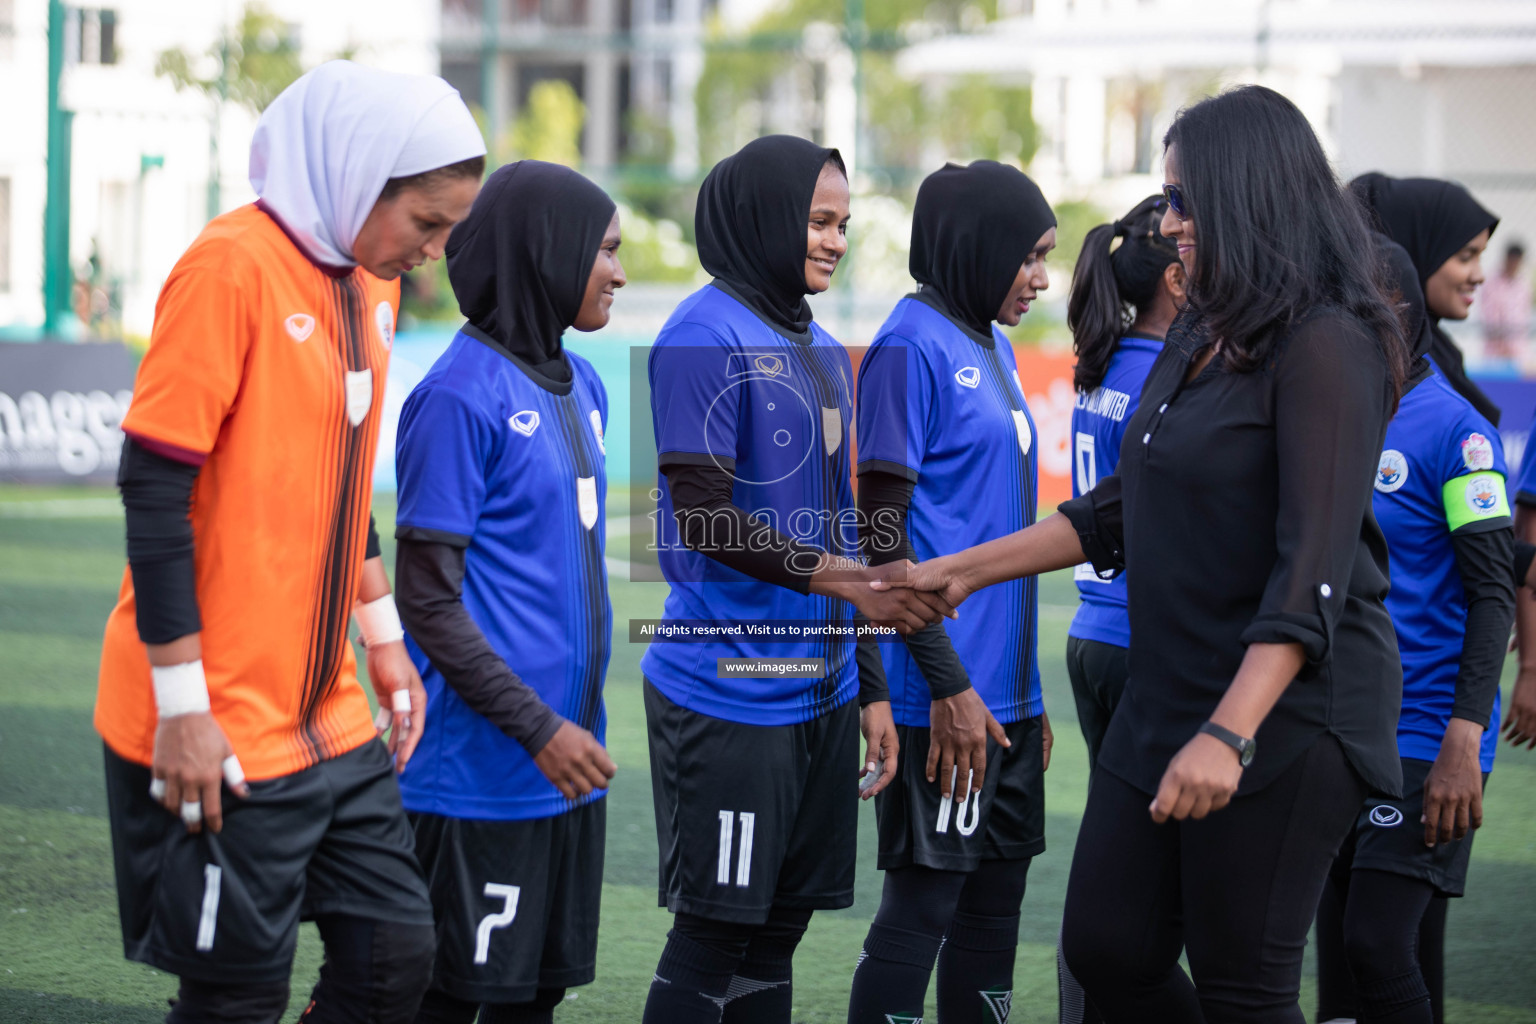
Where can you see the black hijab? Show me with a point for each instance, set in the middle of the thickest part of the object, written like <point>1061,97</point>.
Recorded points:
<point>751,220</point>
<point>1432,220</point>
<point>972,228</point>
<point>1403,279</point>
<point>520,261</point>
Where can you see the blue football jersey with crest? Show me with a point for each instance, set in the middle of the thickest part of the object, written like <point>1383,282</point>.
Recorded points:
<point>947,411</point>
<point>729,391</point>
<point>1098,427</point>
<point>490,451</point>
<point>1442,471</point>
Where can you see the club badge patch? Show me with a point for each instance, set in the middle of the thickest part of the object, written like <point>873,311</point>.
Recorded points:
<point>1392,471</point>
<point>1483,494</point>
<point>384,320</point>
<point>596,419</point>
<point>1477,452</point>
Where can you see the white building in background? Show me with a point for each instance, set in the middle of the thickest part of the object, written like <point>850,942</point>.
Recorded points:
<point>1407,87</point>
<point>141,155</point>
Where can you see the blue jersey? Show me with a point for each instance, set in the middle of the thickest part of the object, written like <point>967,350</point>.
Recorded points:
<point>491,451</point>
<point>1442,470</point>
<point>1524,490</point>
<point>1098,426</point>
<point>728,390</point>
<point>945,410</point>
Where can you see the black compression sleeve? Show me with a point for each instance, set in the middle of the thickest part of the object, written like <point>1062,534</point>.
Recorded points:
<point>373,550</point>
<point>709,523</point>
<point>157,502</point>
<point>883,502</point>
<point>1524,554</point>
<point>1483,560</point>
<point>429,585</point>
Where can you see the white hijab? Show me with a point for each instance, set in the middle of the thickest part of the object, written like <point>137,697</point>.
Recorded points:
<point>325,147</point>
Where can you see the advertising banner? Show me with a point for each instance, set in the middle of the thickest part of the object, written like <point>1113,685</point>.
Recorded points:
<point>61,409</point>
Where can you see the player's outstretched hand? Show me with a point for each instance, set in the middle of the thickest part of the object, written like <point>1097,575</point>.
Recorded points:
<point>1201,778</point>
<point>575,762</point>
<point>397,684</point>
<point>882,748</point>
<point>1520,720</point>
<point>935,575</point>
<point>1453,790</point>
<point>190,756</point>
<point>959,727</point>
<point>905,610</point>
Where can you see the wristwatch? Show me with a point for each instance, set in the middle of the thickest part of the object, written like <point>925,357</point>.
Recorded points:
<point>1245,747</point>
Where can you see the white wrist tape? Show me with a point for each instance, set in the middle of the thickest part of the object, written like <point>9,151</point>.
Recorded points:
<point>180,689</point>
<point>379,621</point>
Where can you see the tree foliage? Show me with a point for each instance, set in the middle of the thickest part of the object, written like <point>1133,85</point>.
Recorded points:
<point>254,62</point>
<point>745,83</point>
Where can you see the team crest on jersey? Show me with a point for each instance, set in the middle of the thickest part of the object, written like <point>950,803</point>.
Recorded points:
<point>384,320</point>
<point>300,326</point>
<point>902,1018</point>
<point>1477,452</point>
<point>1386,816</point>
<point>968,376</point>
<point>999,1001</point>
<point>597,430</point>
<point>1021,428</point>
<point>359,394</point>
<point>831,428</point>
<point>1392,471</point>
<point>525,422</point>
<point>586,500</point>
<point>1482,494</point>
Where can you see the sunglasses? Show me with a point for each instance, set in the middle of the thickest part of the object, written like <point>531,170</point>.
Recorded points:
<point>1176,200</point>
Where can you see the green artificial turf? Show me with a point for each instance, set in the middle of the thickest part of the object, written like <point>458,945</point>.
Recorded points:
<point>61,562</point>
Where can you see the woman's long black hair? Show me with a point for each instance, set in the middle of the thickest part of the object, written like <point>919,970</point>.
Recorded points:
<point>1110,284</point>
<point>1275,233</point>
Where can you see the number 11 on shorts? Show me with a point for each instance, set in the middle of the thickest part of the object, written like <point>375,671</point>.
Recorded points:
<point>744,855</point>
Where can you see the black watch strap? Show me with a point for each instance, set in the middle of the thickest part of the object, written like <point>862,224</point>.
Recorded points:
<point>1245,747</point>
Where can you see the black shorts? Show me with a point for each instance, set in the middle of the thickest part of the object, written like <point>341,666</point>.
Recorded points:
<point>1389,837</point>
<point>517,902</point>
<point>331,839</point>
<point>1006,822</point>
<point>749,817</point>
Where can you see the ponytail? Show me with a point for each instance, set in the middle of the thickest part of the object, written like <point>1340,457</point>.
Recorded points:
<point>1110,283</point>
<point>1095,314</point>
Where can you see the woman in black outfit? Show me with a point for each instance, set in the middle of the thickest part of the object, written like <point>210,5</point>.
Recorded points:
<point>1264,676</point>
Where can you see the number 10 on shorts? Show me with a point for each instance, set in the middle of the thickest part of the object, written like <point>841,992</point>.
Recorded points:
<point>744,854</point>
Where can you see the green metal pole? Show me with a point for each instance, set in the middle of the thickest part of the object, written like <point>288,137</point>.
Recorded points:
<point>57,279</point>
<point>490,94</point>
<point>214,172</point>
<point>856,33</point>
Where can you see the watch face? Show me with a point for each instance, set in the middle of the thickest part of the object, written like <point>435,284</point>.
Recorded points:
<point>1245,753</point>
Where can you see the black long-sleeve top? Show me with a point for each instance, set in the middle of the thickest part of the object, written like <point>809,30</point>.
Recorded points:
<point>1241,511</point>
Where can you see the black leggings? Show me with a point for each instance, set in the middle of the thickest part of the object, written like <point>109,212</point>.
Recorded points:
<point>1236,891</point>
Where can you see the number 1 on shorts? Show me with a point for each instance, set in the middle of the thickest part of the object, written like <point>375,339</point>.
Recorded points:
<point>500,919</point>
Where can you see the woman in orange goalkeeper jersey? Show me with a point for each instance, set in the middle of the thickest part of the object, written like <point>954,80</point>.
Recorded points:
<point>247,785</point>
